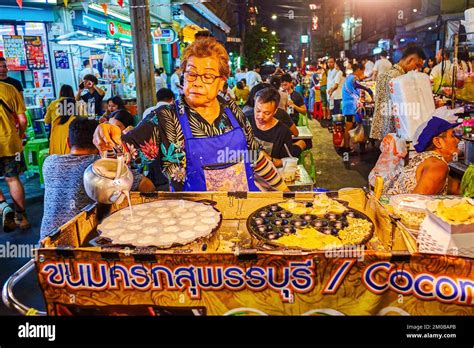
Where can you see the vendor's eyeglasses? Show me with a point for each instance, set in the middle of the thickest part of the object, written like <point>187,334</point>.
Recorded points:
<point>206,78</point>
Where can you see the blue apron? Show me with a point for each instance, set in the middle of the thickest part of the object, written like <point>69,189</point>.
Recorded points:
<point>219,163</point>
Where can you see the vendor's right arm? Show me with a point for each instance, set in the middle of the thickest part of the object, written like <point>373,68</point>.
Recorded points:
<point>151,140</point>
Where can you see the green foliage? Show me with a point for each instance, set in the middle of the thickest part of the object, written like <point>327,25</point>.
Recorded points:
<point>467,183</point>
<point>258,45</point>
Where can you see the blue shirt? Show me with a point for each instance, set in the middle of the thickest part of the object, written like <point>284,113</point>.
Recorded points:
<point>350,95</point>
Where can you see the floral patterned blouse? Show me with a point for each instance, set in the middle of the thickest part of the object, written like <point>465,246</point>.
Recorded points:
<point>160,134</point>
<point>403,180</point>
<point>383,122</point>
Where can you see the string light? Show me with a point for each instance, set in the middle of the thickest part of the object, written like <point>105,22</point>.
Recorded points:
<point>153,5</point>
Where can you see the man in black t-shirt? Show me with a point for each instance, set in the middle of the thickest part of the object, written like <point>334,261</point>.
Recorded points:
<point>296,104</point>
<point>271,133</point>
<point>282,116</point>
<point>94,94</point>
<point>6,79</point>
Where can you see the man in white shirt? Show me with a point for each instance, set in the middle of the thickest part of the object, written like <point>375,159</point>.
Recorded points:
<point>334,86</point>
<point>240,74</point>
<point>382,65</point>
<point>253,77</point>
<point>176,83</point>
<point>164,76</point>
<point>369,67</point>
<point>159,82</point>
<point>131,79</point>
<point>442,73</point>
<point>164,96</point>
<point>88,70</point>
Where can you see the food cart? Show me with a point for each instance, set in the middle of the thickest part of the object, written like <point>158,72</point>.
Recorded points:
<point>234,271</point>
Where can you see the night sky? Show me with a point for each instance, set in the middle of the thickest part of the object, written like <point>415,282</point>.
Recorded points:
<point>289,31</point>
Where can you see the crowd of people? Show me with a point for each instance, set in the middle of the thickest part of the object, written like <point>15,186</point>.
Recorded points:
<point>179,143</point>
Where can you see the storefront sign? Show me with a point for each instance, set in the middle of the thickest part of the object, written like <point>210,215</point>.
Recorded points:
<point>164,36</point>
<point>117,30</point>
<point>329,283</point>
<point>14,52</point>
<point>34,52</point>
<point>61,60</point>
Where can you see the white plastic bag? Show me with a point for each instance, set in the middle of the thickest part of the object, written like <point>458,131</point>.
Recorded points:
<point>107,61</point>
<point>412,101</point>
<point>393,151</point>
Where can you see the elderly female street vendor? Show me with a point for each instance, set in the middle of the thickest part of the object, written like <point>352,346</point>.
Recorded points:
<point>427,172</point>
<point>204,142</point>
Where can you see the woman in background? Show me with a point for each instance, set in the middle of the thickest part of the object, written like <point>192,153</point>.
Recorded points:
<point>58,144</point>
<point>52,112</point>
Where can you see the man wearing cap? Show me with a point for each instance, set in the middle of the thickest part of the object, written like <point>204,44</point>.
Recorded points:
<point>427,172</point>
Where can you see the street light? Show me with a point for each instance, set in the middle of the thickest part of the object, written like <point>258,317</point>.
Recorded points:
<point>274,17</point>
<point>415,10</point>
<point>274,33</point>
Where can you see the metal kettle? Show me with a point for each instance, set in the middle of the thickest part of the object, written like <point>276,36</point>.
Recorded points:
<point>107,179</point>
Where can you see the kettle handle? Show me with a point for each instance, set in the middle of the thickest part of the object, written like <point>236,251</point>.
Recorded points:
<point>114,197</point>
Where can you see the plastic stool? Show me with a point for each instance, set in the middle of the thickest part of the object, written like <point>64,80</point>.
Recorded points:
<point>32,150</point>
<point>42,156</point>
<point>318,110</point>
<point>29,122</point>
<point>30,130</point>
<point>307,160</point>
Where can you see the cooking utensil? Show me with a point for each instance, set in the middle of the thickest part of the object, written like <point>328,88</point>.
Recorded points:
<point>107,179</point>
<point>293,219</point>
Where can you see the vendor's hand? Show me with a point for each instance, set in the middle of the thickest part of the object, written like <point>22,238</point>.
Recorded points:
<point>291,102</point>
<point>107,136</point>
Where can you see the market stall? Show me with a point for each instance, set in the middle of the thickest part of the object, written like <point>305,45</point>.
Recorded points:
<point>260,254</point>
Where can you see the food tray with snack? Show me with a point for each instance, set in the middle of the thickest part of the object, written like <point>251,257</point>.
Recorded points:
<point>320,224</point>
<point>454,215</point>
<point>161,224</point>
<point>410,208</point>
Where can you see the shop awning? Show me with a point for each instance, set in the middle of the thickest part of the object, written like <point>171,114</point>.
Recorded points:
<point>206,13</point>
<point>425,22</point>
<point>26,14</point>
<point>205,20</point>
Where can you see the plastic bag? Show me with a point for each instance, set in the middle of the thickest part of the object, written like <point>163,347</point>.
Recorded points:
<point>413,102</point>
<point>107,61</point>
<point>358,134</point>
<point>393,151</point>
